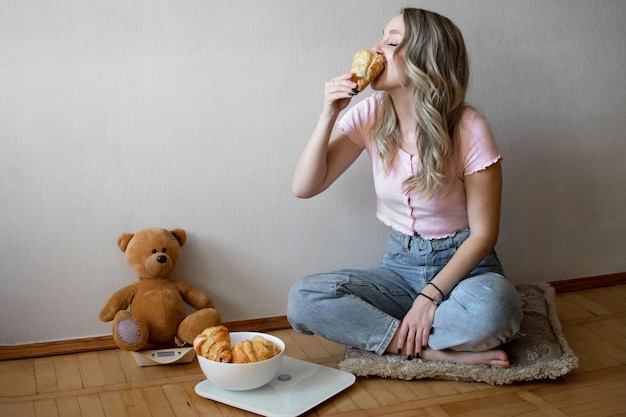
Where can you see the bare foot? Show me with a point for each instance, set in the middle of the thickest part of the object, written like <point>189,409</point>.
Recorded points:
<point>494,357</point>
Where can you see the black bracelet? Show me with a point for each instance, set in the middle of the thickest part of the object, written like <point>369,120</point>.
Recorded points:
<point>443,297</point>
<point>432,300</point>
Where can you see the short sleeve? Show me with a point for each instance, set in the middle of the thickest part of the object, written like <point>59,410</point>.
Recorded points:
<point>478,149</point>
<point>356,123</point>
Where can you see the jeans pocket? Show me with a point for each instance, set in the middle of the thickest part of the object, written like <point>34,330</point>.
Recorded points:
<point>395,249</point>
<point>442,257</point>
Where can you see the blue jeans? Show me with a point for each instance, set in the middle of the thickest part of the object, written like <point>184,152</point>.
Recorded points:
<point>364,308</point>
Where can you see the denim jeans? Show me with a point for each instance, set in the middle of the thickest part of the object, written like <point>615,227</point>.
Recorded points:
<point>363,308</point>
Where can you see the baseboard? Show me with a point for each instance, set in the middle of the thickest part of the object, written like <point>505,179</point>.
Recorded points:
<point>588,283</point>
<point>92,344</point>
<point>266,324</point>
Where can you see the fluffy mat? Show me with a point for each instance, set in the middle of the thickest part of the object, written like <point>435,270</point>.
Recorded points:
<point>539,351</point>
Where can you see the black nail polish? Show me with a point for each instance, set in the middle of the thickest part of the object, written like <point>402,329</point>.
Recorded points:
<point>417,356</point>
<point>432,330</point>
<point>399,351</point>
<point>408,358</point>
<point>355,90</point>
<point>424,347</point>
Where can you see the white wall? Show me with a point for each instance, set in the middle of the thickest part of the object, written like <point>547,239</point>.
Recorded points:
<point>119,115</point>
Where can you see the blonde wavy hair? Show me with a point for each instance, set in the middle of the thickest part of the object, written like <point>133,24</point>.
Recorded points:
<point>438,69</point>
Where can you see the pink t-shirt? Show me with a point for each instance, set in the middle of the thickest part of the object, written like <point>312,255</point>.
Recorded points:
<point>446,213</point>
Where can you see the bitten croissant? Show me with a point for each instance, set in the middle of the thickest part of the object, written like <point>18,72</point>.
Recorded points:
<point>214,344</point>
<point>366,65</point>
<point>254,350</point>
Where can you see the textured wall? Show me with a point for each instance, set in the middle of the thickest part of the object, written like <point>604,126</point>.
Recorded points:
<point>120,115</point>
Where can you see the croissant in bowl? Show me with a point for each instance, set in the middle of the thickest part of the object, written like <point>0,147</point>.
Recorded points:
<point>214,344</point>
<point>255,350</point>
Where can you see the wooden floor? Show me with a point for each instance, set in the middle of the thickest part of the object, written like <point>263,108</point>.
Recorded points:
<point>109,383</point>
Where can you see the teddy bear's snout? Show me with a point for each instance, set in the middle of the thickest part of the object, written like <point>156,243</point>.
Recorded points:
<point>159,265</point>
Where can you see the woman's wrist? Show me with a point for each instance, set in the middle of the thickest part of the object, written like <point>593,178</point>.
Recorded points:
<point>439,291</point>
<point>431,292</point>
<point>429,298</point>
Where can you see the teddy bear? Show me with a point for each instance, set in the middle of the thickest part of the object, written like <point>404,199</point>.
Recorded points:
<point>157,313</point>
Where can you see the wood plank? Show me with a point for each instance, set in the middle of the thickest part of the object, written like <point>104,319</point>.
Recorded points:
<point>155,372</point>
<point>596,308</point>
<point>45,408</point>
<point>401,390</point>
<point>442,388</point>
<point>132,372</point>
<point>495,405</point>
<point>179,401</point>
<point>609,407</point>
<point>614,327</point>
<point>68,372</point>
<point>17,378</point>
<point>436,411</point>
<point>22,409</point>
<point>378,392</point>
<point>343,404</point>
<point>605,342</point>
<point>135,403</point>
<point>569,310</point>
<point>577,341</point>
<point>310,345</point>
<point>111,367</point>
<point>113,404</point>
<point>546,409</point>
<point>68,407</point>
<point>45,375</point>
<point>90,405</point>
<point>613,298</point>
<point>361,396</point>
<point>202,406</point>
<point>91,369</point>
<point>157,402</point>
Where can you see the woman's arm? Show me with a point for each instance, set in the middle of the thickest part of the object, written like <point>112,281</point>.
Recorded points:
<point>327,153</point>
<point>483,190</point>
<point>321,163</point>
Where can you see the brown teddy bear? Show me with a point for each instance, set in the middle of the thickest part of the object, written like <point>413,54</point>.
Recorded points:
<point>157,312</point>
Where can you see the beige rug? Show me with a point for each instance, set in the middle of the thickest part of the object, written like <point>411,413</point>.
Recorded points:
<point>539,351</point>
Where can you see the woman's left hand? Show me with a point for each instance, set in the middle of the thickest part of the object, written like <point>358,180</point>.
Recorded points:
<point>415,327</point>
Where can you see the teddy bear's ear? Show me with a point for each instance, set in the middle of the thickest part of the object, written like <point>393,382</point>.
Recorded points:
<point>123,240</point>
<point>180,235</point>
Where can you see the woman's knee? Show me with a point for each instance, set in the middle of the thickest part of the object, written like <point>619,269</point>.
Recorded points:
<point>296,299</point>
<point>307,296</point>
<point>494,306</point>
<point>484,292</point>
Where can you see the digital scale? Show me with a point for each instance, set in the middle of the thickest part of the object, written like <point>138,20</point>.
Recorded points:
<point>164,356</point>
<point>297,387</point>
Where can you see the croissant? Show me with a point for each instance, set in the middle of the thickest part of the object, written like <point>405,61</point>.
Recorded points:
<point>214,344</point>
<point>366,65</point>
<point>254,350</point>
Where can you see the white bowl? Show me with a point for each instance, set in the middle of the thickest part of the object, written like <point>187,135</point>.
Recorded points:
<point>243,376</point>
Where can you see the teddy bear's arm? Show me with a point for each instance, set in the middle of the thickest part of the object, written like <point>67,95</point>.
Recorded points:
<point>193,296</point>
<point>120,300</point>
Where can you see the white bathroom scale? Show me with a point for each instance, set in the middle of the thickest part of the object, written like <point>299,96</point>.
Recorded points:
<point>297,387</point>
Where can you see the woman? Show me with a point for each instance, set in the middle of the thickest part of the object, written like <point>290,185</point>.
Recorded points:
<point>439,293</point>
